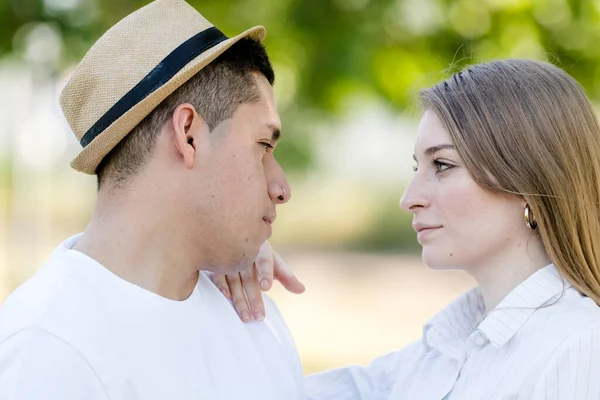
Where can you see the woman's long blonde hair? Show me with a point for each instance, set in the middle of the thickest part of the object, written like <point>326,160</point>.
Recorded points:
<point>527,128</point>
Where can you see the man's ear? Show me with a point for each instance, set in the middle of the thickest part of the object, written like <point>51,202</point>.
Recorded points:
<point>188,125</point>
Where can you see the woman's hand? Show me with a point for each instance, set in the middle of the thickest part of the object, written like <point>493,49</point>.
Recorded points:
<point>245,287</point>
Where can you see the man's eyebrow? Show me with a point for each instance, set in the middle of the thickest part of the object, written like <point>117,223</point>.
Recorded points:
<point>434,149</point>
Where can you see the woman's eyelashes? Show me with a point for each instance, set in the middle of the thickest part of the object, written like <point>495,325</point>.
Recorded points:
<point>441,166</point>
<point>438,165</point>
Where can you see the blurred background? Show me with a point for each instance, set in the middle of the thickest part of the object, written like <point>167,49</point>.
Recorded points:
<point>348,73</point>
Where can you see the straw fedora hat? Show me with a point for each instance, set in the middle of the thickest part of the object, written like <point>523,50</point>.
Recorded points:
<point>132,68</point>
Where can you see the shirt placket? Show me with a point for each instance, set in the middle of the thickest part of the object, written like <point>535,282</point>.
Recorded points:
<point>475,341</point>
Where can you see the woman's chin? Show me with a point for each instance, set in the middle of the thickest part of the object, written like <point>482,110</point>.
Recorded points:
<point>437,262</point>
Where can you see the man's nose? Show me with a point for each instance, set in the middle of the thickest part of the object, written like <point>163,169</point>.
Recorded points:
<point>277,184</point>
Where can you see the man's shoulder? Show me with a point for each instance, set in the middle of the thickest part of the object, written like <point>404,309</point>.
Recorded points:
<point>35,364</point>
<point>51,296</point>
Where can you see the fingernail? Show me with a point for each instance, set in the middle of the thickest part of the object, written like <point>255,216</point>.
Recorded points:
<point>264,284</point>
<point>225,293</point>
<point>259,315</point>
<point>245,315</point>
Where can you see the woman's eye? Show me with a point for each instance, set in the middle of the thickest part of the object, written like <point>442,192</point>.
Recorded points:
<point>438,165</point>
<point>267,145</point>
<point>441,166</point>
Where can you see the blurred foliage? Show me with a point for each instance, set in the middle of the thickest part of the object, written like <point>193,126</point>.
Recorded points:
<point>391,231</point>
<point>328,53</point>
<point>333,49</point>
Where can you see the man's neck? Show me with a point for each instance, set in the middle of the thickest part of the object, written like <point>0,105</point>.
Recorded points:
<point>141,251</point>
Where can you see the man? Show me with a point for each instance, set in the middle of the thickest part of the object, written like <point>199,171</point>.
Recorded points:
<point>179,124</point>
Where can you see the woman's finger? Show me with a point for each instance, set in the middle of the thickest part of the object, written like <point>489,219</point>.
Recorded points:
<point>265,264</point>
<point>283,273</point>
<point>253,294</point>
<point>221,283</point>
<point>237,296</point>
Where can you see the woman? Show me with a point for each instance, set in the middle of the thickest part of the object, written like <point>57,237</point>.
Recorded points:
<point>507,188</point>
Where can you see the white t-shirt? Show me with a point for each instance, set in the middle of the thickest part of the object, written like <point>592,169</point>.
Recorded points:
<point>77,331</point>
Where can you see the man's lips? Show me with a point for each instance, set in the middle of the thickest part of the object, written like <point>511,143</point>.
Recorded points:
<point>269,220</point>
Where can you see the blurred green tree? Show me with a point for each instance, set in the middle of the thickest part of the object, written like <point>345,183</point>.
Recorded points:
<point>328,51</point>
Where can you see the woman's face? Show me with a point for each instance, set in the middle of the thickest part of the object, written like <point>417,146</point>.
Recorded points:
<point>458,224</point>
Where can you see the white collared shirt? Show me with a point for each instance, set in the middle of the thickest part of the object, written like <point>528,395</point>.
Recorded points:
<point>541,342</point>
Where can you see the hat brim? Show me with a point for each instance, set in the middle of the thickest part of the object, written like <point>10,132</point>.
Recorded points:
<point>91,155</point>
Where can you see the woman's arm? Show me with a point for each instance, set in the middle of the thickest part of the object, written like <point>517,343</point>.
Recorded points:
<point>373,382</point>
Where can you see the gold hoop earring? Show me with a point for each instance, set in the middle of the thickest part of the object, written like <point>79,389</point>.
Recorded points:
<point>529,219</point>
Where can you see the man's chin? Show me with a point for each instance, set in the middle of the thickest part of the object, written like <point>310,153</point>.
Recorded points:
<point>244,261</point>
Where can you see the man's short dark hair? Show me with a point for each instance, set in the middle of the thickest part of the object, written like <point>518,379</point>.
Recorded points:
<point>216,92</point>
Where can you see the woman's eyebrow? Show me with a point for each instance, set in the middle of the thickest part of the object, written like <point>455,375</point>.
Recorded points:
<point>434,149</point>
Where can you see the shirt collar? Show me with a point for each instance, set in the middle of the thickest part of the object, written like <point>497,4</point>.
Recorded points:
<point>519,305</point>
<point>449,329</point>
